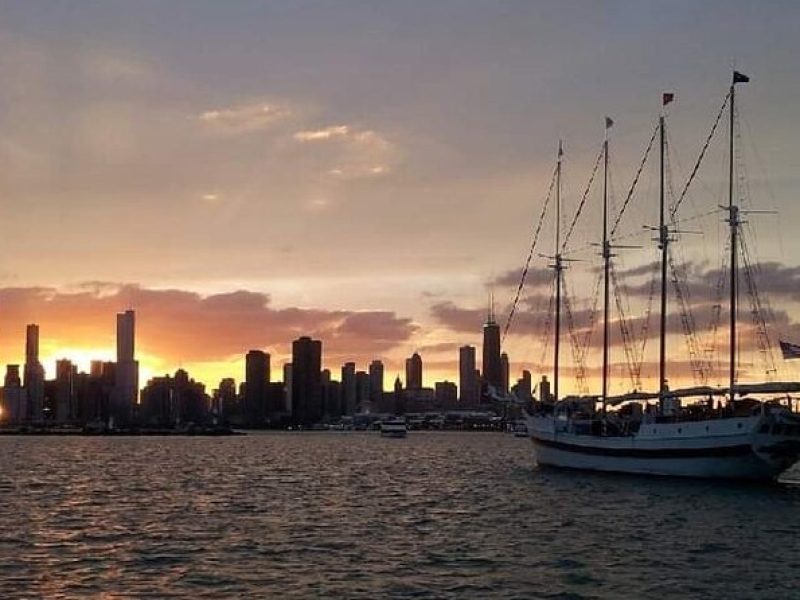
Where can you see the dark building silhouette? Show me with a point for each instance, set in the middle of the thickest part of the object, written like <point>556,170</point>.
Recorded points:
<point>33,375</point>
<point>287,388</point>
<point>15,405</point>
<point>65,409</point>
<point>468,383</point>
<point>362,391</point>
<point>414,372</point>
<point>349,392</point>
<point>492,367</point>
<point>127,384</point>
<point>257,374</point>
<point>446,394</point>
<point>306,381</point>
<point>544,390</point>
<point>177,401</point>
<point>523,389</point>
<point>505,372</point>
<point>331,398</point>
<point>399,397</point>
<point>375,383</point>
<point>224,401</point>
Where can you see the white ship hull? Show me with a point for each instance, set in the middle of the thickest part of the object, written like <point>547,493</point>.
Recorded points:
<point>734,448</point>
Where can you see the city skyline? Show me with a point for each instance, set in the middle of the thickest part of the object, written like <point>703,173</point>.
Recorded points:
<point>298,182</point>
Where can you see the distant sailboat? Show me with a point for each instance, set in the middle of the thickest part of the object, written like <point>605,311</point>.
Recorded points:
<point>751,437</point>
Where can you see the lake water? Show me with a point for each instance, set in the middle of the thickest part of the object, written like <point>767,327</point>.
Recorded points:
<point>354,515</point>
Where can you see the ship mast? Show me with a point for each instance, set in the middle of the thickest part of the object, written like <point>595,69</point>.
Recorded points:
<point>733,222</point>
<point>606,253</point>
<point>663,242</point>
<point>559,267</point>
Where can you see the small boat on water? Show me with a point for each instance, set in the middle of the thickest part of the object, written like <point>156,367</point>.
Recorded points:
<point>394,428</point>
<point>520,428</point>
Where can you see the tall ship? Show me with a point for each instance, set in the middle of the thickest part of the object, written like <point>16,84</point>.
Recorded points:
<point>748,431</point>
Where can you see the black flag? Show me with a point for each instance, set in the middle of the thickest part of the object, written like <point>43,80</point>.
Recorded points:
<point>740,77</point>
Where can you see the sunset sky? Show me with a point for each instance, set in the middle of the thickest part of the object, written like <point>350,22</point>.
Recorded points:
<point>242,173</point>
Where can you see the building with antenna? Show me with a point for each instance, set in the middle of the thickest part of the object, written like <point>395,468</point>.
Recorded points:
<point>491,365</point>
<point>127,370</point>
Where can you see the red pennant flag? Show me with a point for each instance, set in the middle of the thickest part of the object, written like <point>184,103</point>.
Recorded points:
<point>666,98</point>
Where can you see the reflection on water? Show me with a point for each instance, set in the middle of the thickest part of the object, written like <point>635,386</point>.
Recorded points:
<point>355,515</point>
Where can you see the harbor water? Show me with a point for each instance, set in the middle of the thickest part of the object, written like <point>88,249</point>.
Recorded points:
<point>355,515</point>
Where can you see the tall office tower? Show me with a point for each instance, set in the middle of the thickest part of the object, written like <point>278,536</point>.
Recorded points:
<point>467,380</point>
<point>256,377</point>
<point>287,387</point>
<point>505,371</point>
<point>492,368</point>
<point>524,386</point>
<point>34,374</point>
<point>306,381</point>
<point>414,372</point>
<point>362,391</point>
<point>544,390</point>
<point>15,409</point>
<point>349,394</point>
<point>65,391</point>
<point>127,375</point>
<point>375,383</point>
<point>225,399</point>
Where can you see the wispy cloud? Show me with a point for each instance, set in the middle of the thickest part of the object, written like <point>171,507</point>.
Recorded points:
<point>327,133</point>
<point>356,152</point>
<point>245,118</point>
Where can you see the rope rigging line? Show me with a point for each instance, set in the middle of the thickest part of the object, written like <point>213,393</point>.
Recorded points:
<point>580,367</point>
<point>582,203</point>
<point>680,287</point>
<point>548,322</point>
<point>712,356</point>
<point>534,241</point>
<point>628,343</point>
<point>674,208</point>
<point>587,335</point>
<point>633,184</point>
<point>757,312</point>
<point>645,330</point>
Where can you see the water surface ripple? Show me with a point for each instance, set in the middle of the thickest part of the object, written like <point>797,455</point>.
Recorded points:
<point>352,515</point>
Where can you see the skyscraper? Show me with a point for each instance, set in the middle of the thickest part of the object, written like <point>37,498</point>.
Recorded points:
<point>414,372</point>
<point>492,369</point>
<point>306,381</point>
<point>127,375</point>
<point>15,408</point>
<point>65,391</point>
<point>349,390</point>
<point>505,372</point>
<point>362,391</point>
<point>256,379</point>
<point>375,383</point>
<point>34,374</point>
<point>467,380</point>
<point>287,387</point>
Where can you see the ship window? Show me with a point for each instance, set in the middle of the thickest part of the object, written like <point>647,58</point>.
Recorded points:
<point>706,427</point>
<point>739,425</point>
<point>654,430</point>
<point>680,430</point>
<point>764,428</point>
